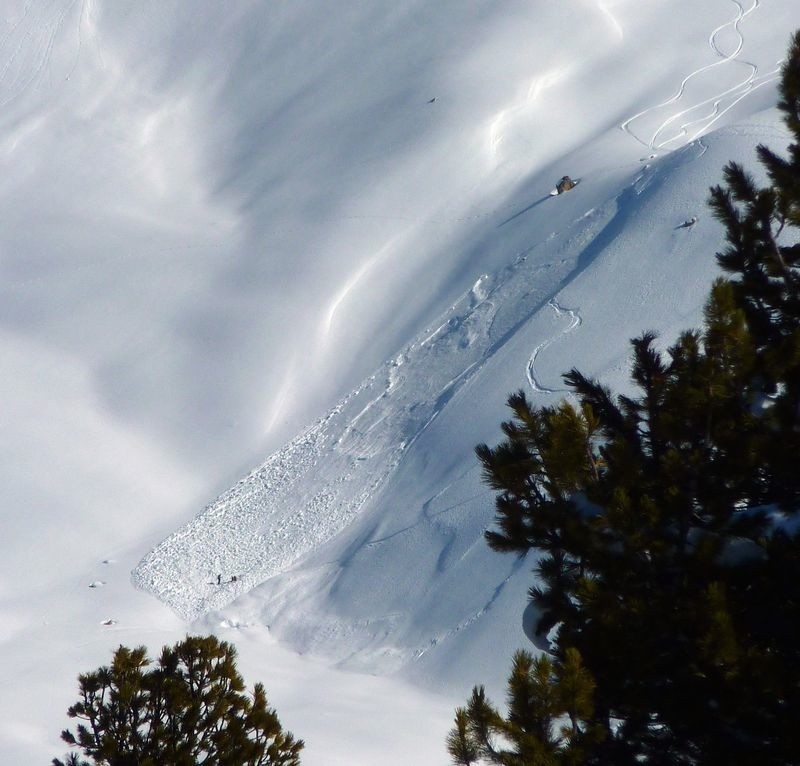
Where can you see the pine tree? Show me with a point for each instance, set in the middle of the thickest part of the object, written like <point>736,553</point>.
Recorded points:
<point>656,512</point>
<point>767,271</point>
<point>549,704</point>
<point>189,708</point>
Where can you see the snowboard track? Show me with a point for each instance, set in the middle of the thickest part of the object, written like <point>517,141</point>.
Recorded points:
<point>671,130</point>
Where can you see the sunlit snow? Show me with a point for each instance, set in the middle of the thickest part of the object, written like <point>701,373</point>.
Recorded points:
<point>269,271</point>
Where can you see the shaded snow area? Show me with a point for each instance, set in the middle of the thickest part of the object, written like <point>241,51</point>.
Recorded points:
<point>315,486</point>
<point>223,222</point>
<point>373,518</point>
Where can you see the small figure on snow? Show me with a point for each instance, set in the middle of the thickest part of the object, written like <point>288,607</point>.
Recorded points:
<point>688,223</point>
<point>219,579</point>
<point>234,578</point>
<point>432,100</point>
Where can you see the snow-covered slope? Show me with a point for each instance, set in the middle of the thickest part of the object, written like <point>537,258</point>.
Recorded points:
<point>373,517</point>
<point>225,222</point>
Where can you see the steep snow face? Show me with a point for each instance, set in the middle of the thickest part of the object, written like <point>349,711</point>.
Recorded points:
<point>370,522</point>
<point>219,223</point>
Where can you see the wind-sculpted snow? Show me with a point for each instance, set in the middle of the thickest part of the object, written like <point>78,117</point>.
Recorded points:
<point>220,218</point>
<point>315,486</point>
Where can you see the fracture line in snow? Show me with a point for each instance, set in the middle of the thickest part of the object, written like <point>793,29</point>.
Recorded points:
<point>709,119</point>
<point>530,370</point>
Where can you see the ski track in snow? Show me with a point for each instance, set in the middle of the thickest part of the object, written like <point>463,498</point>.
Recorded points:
<point>79,36</point>
<point>27,47</point>
<point>530,370</point>
<point>446,635</point>
<point>702,123</point>
<point>316,485</point>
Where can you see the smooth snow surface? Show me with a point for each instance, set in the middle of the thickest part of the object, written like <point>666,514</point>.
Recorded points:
<point>223,222</point>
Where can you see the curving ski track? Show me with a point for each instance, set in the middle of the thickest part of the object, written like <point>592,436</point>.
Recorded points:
<point>530,370</point>
<point>736,93</point>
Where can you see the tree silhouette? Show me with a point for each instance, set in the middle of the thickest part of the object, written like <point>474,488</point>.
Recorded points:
<point>188,708</point>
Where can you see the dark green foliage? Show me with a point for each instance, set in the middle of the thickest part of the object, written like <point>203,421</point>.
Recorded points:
<point>661,515</point>
<point>767,268</point>
<point>549,706</point>
<point>188,708</point>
